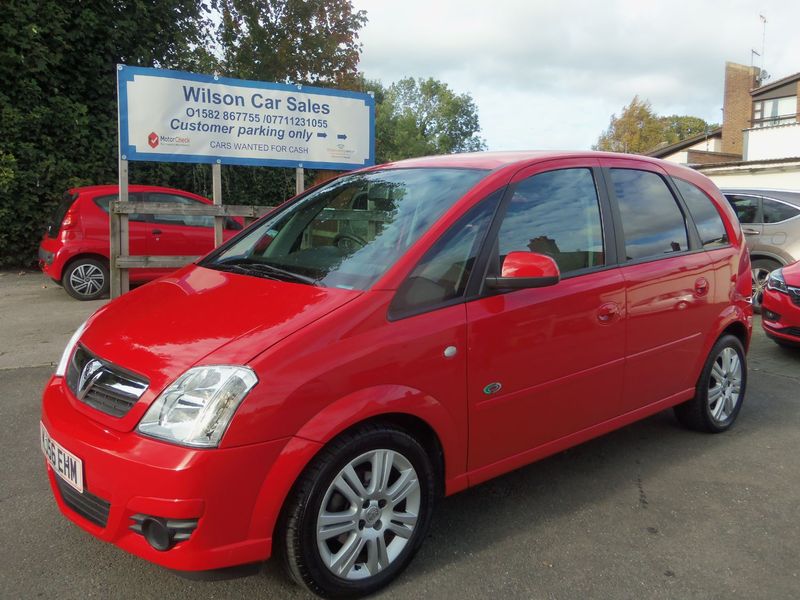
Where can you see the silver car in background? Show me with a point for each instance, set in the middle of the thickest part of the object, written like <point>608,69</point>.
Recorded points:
<point>770,221</point>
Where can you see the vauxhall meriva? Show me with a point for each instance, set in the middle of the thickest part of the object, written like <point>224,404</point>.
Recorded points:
<point>397,334</point>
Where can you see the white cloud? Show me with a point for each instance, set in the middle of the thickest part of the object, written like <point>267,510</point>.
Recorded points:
<point>550,74</point>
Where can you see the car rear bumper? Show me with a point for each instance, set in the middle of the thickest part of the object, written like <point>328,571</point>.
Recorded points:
<point>213,493</point>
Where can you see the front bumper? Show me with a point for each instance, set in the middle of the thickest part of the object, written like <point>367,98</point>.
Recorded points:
<point>780,316</point>
<point>135,475</point>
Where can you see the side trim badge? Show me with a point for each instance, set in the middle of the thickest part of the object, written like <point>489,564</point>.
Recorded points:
<point>492,388</point>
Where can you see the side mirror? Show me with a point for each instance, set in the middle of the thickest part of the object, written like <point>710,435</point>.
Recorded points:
<point>525,270</point>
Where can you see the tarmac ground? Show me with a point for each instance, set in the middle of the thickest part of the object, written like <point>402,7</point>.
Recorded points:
<point>649,511</point>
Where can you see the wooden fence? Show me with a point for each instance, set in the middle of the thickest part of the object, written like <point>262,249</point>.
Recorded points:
<point>120,258</point>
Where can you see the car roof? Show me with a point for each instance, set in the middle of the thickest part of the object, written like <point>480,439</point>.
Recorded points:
<point>112,189</point>
<point>495,160</point>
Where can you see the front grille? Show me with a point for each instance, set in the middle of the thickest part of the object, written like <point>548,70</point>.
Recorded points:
<point>87,505</point>
<point>102,385</point>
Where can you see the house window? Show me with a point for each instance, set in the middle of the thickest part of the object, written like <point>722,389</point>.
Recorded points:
<point>777,111</point>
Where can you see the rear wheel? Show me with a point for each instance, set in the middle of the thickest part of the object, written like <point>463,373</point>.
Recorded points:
<point>359,512</point>
<point>86,279</point>
<point>720,390</point>
<point>761,269</point>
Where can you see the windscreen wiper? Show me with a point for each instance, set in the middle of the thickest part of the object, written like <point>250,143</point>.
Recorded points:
<point>251,267</point>
<point>263,267</point>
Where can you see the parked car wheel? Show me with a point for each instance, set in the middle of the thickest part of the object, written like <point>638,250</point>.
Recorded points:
<point>359,512</point>
<point>86,279</point>
<point>761,269</point>
<point>720,390</point>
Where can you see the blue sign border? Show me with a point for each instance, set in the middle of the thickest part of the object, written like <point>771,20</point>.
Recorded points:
<point>127,74</point>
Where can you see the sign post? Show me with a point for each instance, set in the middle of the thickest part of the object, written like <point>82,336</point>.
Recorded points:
<point>175,116</point>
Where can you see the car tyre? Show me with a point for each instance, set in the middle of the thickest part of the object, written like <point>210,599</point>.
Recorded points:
<point>760,270</point>
<point>720,390</point>
<point>340,523</point>
<point>86,279</point>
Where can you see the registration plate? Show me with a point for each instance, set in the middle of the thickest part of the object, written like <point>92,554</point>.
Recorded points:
<point>66,465</point>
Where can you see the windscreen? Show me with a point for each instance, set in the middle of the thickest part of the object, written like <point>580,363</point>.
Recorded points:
<point>348,233</point>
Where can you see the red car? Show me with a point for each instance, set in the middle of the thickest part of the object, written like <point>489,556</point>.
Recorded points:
<point>74,249</point>
<point>781,306</point>
<point>397,334</point>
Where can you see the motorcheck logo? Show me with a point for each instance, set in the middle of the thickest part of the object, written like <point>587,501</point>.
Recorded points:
<point>152,139</point>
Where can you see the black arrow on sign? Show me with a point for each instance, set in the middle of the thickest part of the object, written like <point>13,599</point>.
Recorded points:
<point>341,136</point>
<point>322,135</point>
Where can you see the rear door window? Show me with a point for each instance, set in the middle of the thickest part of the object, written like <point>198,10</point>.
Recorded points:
<point>705,215</point>
<point>652,222</point>
<point>104,203</point>
<point>775,212</point>
<point>747,208</point>
<point>188,220</point>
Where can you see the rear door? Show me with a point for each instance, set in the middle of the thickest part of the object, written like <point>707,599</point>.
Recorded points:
<point>779,226</point>
<point>180,235</point>
<point>748,211</point>
<point>97,226</point>
<point>669,281</point>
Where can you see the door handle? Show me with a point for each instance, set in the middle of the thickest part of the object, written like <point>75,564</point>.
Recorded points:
<point>608,312</point>
<point>701,286</point>
<point>748,231</point>
<point>156,232</point>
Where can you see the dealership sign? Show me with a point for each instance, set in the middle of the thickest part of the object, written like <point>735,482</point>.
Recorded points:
<point>184,117</point>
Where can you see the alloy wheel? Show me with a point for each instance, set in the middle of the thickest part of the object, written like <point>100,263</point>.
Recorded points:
<point>725,385</point>
<point>87,279</point>
<point>760,277</point>
<point>368,514</point>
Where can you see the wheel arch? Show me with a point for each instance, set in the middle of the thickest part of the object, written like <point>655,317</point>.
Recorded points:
<point>415,413</point>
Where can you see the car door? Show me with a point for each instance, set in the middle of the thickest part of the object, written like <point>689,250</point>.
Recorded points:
<point>778,231</point>
<point>137,224</point>
<point>547,362</point>
<point>748,211</point>
<point>669,281</point>
<point>180,235</point>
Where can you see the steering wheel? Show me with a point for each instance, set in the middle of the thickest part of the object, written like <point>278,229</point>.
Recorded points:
<point>348,241</point>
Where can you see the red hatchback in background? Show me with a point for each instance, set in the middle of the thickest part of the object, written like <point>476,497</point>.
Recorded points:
<point>74,250</point>
<point>781,307</point>
<point>403,332</point>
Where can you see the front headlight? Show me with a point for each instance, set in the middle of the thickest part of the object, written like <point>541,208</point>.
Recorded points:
<point>777,282</point>
<point>197,408</point>
<point>73,341</point>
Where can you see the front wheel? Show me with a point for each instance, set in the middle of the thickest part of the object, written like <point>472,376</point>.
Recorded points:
<point>720,389</point>
<point>359,512</point>
<point>760,269</point>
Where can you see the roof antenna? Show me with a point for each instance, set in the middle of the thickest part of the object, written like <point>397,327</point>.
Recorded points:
<point>763,75</point>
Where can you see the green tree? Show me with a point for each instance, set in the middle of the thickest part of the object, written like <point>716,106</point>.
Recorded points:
<point>635,131</point>
<point>679,127</point>
<point>639,129</point>
<point>293,41</point>
<point>58,100</point>
<point>58,112</point>
<point>416,117</point>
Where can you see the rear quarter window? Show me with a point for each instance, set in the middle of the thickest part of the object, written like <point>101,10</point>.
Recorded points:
<point>775,212</point>
<point>706,217</point>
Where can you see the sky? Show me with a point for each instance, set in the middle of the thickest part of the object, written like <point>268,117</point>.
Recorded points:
<point>549,75</point>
